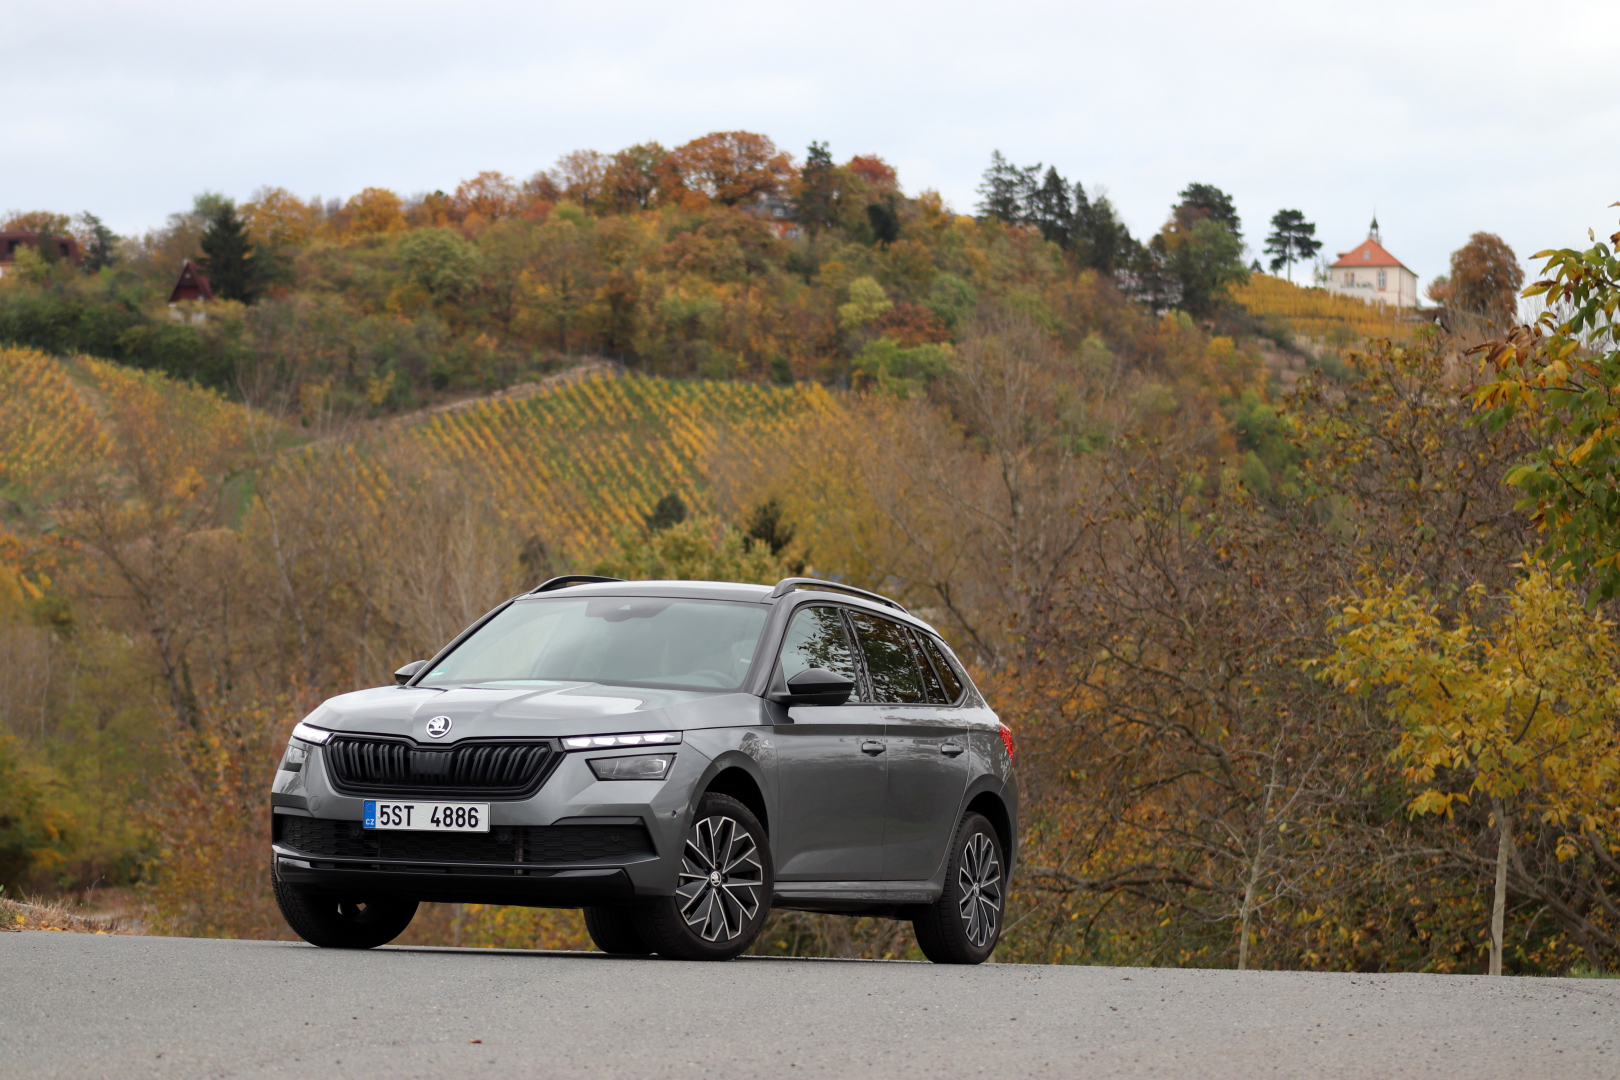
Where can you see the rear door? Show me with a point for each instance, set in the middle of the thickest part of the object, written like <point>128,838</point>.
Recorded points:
<point>832,770</point>
<point>926,748</point>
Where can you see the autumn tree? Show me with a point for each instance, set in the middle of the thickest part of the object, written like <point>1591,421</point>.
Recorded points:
<point>565,276</point>
<point>153,516</point>
<point>631,178</point>
<point>440,261</point>
<point>1485,279</point>
<point>1517,707</point>
<point>489,196</point>
<point>1292,239</point>
<point>276,217</point>
<point>728,167</point>
<point>581,176</point>
<point>47,224</point>
<point>695,548</point>
<point>873,171</point>
<point>1559,375</point>
<point>373,212</point>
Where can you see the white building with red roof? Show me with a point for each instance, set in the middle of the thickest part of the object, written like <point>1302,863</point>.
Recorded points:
<point>1368,272</point>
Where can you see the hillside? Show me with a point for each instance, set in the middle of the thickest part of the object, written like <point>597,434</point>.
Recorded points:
<point>1137,545</point>
<point>1317,315</point>
<point>720,259</point>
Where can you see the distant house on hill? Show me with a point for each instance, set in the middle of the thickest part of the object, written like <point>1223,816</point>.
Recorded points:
<point>778,214</point>
<point>191,285</point>
<point>66,247</point>
<point>1368,272</point>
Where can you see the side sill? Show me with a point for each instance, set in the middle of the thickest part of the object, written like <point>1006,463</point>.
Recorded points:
<point>850,897</point>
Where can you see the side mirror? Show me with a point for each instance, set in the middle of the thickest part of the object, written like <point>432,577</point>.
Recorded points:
<point>818,686</point>
<point>403,675</point>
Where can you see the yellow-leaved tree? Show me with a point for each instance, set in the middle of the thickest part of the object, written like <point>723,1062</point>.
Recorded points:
<point>697,549</point>
<point>1510,699</point>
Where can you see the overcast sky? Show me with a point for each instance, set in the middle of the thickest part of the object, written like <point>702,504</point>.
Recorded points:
<point>1448,118</point>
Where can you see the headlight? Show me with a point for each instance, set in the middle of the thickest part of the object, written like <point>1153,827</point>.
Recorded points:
<point>313,735</point>
<point>295,757</point>
<point>639,767</point>
<point>640,738</point>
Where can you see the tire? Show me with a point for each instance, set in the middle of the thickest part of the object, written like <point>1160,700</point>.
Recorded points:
<point>964,924</point>
<point>615,931</point>
<point>724,895</point>
<point>341,922</point>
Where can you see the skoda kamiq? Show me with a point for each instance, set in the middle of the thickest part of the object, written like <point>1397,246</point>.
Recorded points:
<point>677,758</point>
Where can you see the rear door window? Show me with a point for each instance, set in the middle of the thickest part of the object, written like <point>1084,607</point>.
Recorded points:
<point>817,638</point>
<point>891,661</point>
<point>947,674</point>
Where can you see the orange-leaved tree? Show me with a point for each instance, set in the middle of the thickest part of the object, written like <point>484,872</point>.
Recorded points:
<point>727,167</point>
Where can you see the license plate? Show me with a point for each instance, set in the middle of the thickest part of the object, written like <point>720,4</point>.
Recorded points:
<point>427,816</point>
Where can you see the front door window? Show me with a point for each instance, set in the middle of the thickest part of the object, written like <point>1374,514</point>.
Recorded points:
<point>817,638</point>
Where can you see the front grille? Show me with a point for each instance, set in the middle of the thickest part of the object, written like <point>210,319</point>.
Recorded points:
<point>528,845</point>
<point>493,768</point>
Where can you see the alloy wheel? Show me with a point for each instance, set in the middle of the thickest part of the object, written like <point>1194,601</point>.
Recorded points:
<point>721,879</point>
<point>979,884</point>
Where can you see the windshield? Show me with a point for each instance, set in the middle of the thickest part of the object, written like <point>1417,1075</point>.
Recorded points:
<point>621,640</point>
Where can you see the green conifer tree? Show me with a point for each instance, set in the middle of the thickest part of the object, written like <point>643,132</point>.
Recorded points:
<point>228,255</point>
<point>1292,240</point>
<point>102,247</point>
<point>818,189</point>
<point>1007,191</point>
<point>1051,211</point>
<point>1207,200</point>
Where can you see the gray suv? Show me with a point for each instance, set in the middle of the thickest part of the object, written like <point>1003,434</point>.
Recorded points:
<point>675,757</point>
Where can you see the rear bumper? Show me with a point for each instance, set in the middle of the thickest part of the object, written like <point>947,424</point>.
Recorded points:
<point>460,883</point>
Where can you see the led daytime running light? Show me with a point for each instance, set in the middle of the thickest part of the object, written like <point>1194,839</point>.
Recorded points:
<point>643,738</point>
<point>313,735</point>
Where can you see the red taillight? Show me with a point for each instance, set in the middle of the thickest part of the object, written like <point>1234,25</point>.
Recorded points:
<point>1006,740</point>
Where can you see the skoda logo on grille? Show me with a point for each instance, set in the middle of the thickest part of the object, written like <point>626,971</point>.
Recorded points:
<point>438,727</point>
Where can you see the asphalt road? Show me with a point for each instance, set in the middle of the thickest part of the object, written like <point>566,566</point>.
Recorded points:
<point>73,1005</point>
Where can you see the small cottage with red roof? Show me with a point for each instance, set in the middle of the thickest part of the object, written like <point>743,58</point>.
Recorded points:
<point>1368,272</point>
<point>191,285</point>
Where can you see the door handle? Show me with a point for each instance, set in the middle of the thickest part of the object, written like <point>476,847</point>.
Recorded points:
<point>951,749</point>
<point>872,746</point>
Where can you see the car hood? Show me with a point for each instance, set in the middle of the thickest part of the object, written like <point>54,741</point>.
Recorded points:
<point>545,709</point>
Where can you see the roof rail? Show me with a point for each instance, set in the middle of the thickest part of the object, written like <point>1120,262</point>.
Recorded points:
<point>570,579</point>
<point>788,584</point>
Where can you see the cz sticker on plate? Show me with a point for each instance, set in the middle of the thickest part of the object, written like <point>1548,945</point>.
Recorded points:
<point>427,816</point>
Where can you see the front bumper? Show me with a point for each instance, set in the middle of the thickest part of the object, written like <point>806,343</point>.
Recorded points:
<point>457,884</point>
<point>577,841</point>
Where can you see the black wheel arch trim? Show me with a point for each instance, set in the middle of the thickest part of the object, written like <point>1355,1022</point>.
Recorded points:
<point>989,795</point>
<point>717,777</point>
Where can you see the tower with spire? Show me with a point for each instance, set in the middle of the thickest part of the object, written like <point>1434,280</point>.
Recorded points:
<point>1372,230</point>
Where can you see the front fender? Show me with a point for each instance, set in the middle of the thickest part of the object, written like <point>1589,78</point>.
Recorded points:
<point>750,750</point>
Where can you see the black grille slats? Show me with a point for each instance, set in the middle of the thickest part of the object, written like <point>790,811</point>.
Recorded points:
<point>380,766</point>
<point>530,845</point>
